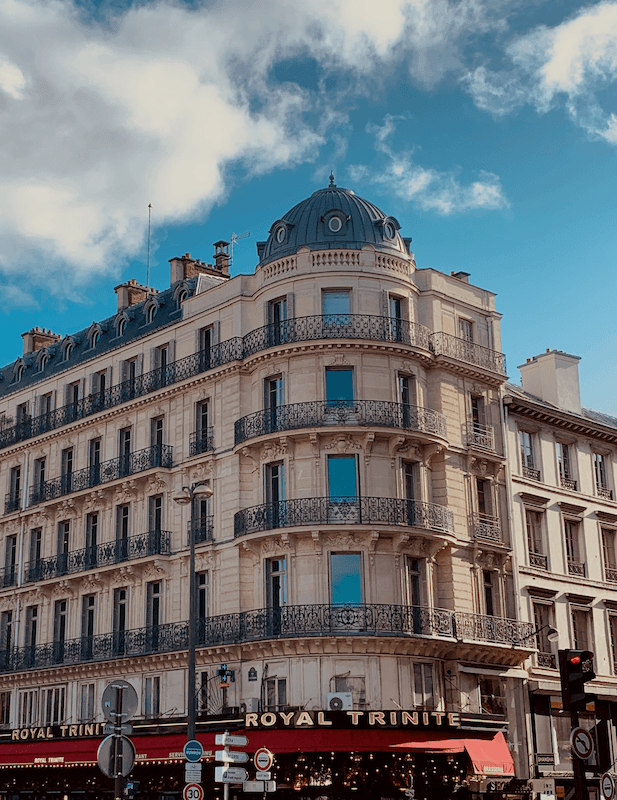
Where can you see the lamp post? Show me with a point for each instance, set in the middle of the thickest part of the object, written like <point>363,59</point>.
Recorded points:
<point>198,491</point>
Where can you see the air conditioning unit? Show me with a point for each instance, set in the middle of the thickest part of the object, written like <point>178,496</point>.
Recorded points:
<point>250,705</point>
<point>340,701</point>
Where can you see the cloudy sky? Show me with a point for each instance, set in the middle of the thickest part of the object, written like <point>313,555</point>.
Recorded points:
<point>488,128</point>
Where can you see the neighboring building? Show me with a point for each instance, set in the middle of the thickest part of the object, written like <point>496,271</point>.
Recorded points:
<point>563,464</point>
<point>354,566</point>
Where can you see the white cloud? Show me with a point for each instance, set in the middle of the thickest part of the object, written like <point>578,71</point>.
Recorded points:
<point>12,80</point>
<point>428,188</point>
<point>573,61</point>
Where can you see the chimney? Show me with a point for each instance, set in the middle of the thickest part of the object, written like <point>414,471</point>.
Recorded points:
<point>38,338</point>
<point>553,377</point>
<point>461,276</point>
<point>184,267</point>
<point>131,293</point>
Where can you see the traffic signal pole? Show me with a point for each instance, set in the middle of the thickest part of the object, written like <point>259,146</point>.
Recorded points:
<point>118,781</point>
<point>581,790</point>
<point>576,669</point>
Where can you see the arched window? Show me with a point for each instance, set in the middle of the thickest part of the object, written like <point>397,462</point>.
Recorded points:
<point>182,295</point>
<point>150,312</point>
<point>95,335</point>
<point>19,373</point>
<point>67,350</point>
<point>121,326</point>
<point>43,359</point>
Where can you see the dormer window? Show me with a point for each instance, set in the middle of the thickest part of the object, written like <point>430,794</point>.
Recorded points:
<point>150,310</point>
<point>334,222</point>
<point>42,360</point>
<point>180,294</point>
<point>67,350</point>
<point>19,373</point>
<point>94,335</point>
<point>281,234</point>
<point>120,326</point>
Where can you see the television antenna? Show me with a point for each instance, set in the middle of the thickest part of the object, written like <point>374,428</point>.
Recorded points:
<point>235,238</point>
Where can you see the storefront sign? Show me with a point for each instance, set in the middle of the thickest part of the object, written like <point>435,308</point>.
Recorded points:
<point>353,719</point>
<point>58,732</point>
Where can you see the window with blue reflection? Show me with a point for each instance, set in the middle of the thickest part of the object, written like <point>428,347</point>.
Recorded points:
<point>336,302</point>
<point>339,385</point>
<point>342,477</point>
<point>346,578</point>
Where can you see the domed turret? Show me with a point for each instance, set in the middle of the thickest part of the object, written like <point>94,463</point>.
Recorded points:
<point>332,218</point>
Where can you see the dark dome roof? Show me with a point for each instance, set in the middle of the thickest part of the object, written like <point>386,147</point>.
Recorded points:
<point>332,218</point>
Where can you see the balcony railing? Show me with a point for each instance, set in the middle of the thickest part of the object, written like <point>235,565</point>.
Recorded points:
<point>611,574</point>
<point>460,349</point>
<point>480,436</point>
<point>261,624</point>
<point>344,511</point>
<point>127,549</point>
<point>604,491</point>
<point>8,576</point>
<point>538,560</point>
<point>547,660</point>
<point>530,472</point>
<point>203,530</point>
<point>201,442</point>
<point>576,568</point>
<point>567,483</point>
<point>379,413</point>
<point>299,329</point>
<point>487,527</point>
<point>12,502</point>
<point>159,455</point>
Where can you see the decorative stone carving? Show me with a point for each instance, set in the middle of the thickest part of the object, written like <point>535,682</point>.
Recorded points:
<point>154,569</point>
<point>66,510</point>
<point>248,454</point>
<point>200,472</point>
<point>339,359</point>
<point>252,550</point>
<point>97,501</point>
<point>125,493</point>
<point>270,451</point>
<point>204,561</point>
<point>342,443</point>
<point>90,585</point>
<point>64,588</point>
<point>156,484</point>
<point>341,540</point>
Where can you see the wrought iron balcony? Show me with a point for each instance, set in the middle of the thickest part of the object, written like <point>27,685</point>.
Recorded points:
<point>547,660</point>
<point>530,472</point>
<point>487,527</point>
<point>567,483</point>
<point>604,491</point>
<point>576,568</point>
<point>480,436</point>
<point>262,624</point>
<point>159,455</point>
<point>447,344</point>
<point>127,549</point>
<point>611,574</point>
<point>204,530</point>
<point>344,511</point>
<point>201,442</point>
<point>8,577</point>
<point>378,413</point>
<point>538,560</point>
<point>12,502</point>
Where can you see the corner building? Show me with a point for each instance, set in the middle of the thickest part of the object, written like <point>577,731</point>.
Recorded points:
<point>356,606</point>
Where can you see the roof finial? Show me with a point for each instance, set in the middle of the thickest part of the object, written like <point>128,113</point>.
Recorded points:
<point>331,178</point>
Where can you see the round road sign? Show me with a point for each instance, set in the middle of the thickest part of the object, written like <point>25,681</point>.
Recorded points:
<point>607,786</point>
<point>193,751</point>
<point>581,743</point>
<point>111,700</point>
<point>193,791</point>
<point>263,759</point>
<point>106,756</point>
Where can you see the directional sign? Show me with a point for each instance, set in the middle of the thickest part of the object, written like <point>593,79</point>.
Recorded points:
<point>110,701</point>
<point>607,786</point>
<point>193,751</point>
<point>228,740</point>
<point>192,773</point>
<point>229,774</point>
<point>253,786</point>
<point>106,756</point>
<point>193,791</point>
<point>581,743</point>
<point>236,756</point>
<point>263,776</point>
<point>263,759</point>
<point>125,730</point>
<point>270,786</point>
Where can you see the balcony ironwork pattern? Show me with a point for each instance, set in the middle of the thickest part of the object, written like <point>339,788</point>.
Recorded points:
<point>610,574</point>
<point>352,412</point>
<point>262,624</point>
<point>481,436</point>
<point>487,527</point>
<point>158,455</point>
<point>538,560</point>
<point>124,549</point>
<point>8,576</point>
<point>604,492</point>
<point>344,511</point>
<point>201,442</point>
<point>547,660</point>
<point>12,502</point>
<point>299,329</point>
<point>530,472</point>
<point>204,530</point>
<point>576,568</point>
<point>568,483</point>
<point>447,344</point>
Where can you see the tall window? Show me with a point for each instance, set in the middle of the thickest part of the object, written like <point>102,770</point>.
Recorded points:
<point>395,310</point>
<point>5,709</point>
<point>335,304</point>
<point>14,488</point>
<point>407,395</point>
<point>67,469</point>
<point>64,544</point>
<point>492,695</point>
<point>28,708</point>
<point>6,630</point>
<point>609,536</point>
<point>157,438</point>
<point>155,513</point>
<point>483,495</point>
<point>123,530</point>
<point>533,522</point>
<point>99,384</point>
<point>124,450</point>
<point>339,386</point>
<point>153,612</point>
<point>346,578</point>
<point>276,694</point>
<point>581,628</point>
<point>413,590</point>
<point>273,399</point>
<point>88,624</point>
<point>86,705</point>
<point>477,413</point>
<point>565,466</point>
<point>277,315</point>
<point>120,619</point>
<point>34,563</point>
<point>32,620</point>
<point>342,478</point>
<point>488,580</point>
<point>92,540</point>
<point>423,686</point>
<point>601,474</point>
<point>527,454</point>
<point>73,395</point>
<point>10,560</point>
<point>543,619</point>
<point>60,628</point>
<point>45,406</point>
<point>203,595</point>
<point>129,376</point>
<point>53,705</point>
<point>203,437</point>
<point>276,582</point>
<point>573,552</point>
<point>206,341</point>
<point>39,476</point>
<point>152,696</point>
<point>94,461</point>
<point>465,329</point>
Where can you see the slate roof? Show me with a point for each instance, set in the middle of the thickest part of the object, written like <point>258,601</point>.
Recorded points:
<point>587,414</point>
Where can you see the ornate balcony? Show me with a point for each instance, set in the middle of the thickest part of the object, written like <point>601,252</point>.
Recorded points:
<point>461,350</point>
<point>201,442</point>
<point>487,527</point>
<point>567,483</point>
<point>286,622</point>
<point>576,568</point>
<point>530,472</point>
<point>121,467</point>
<point>480,436</point>
<point>538,560</point>
<point>344,511</point>
<point>8,577</point>
<point>204,531</point>
<point>101,555</point>
<point>378,413</point>
<point>547,660</point>
<point>611,574</point>
<point>12,502</point>
<point>604,492</point>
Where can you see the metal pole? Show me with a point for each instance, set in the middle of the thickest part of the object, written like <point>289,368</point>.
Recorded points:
<point>118,746</point>
<point>581,790</point>
<point>190,728</point>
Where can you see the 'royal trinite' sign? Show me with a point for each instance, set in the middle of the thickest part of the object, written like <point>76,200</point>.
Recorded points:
<point>58,732</point>
<point>353,719</point>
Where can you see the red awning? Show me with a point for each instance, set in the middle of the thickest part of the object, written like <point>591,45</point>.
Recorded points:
<point>489,756</point>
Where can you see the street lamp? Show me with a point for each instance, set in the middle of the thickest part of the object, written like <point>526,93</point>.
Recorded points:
<point>198,491</point>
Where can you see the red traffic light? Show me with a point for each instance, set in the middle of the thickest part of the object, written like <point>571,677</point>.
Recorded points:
<point>575,660</point>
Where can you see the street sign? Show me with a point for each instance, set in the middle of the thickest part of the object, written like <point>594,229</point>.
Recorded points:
<point>125,730</point>
<point>270,786</point>
<point>110,700</point>
<point>581,743</point>
<point>229,774</point>
<point>263,776</point>
<point>229,740</point>
<point>608,786</point>
<point>193,751</point>
<point>235,756</point>
<point>193,791</point>
<point>263,759</point>
<point>192,773</point>
<point>106,756</point>
<point>253,786</point>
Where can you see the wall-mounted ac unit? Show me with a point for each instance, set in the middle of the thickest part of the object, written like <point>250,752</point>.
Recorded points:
<point>250,705</point>
<point>340,701</point>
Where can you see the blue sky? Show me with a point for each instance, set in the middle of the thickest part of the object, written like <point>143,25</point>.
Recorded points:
<point>488,128</point>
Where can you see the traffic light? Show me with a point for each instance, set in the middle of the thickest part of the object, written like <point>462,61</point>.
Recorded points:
<point>576,669</point>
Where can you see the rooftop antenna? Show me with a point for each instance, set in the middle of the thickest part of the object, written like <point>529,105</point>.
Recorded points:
<point>148,261</point>
<point>235,237</point>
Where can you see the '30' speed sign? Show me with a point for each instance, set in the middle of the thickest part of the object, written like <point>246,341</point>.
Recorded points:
<point>193,791</point>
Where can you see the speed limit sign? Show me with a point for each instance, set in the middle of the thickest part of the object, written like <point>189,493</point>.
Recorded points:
<point>193,791</point>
